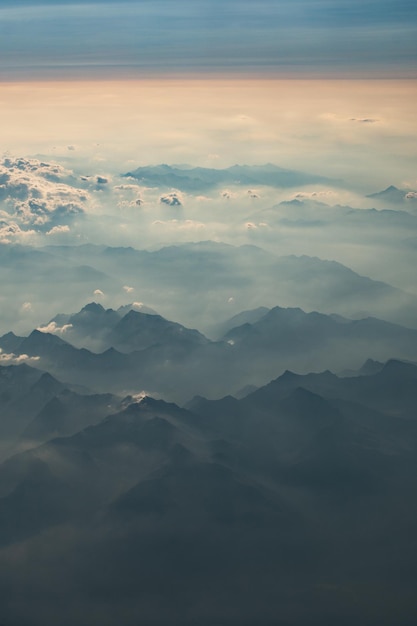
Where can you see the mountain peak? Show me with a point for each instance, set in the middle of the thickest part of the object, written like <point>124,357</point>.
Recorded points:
<point>371,367</point>
<point>40,338</point>
<point>134,314</point>
<point>10,342</point>
<point>46,381</point>
<point>390,193</point>
<point>400,368</point>
<point>93,307</point>
<point>287,375</point>
<point>139,307</point>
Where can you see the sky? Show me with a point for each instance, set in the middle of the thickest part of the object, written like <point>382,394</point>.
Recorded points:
<point>303,38</point>
<point>363,132</point>
<point>325,86</point>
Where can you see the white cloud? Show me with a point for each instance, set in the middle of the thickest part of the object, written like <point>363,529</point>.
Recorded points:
<point>36,193</point>
<point>130,187</point>
<point>129,204</point>
<point>138,397</point>
<point>50,171</point>
<point>325,194</point>
<point>128,289</point>
<point>130,194</point>
<point>179,225</point>
<point>58,230</point>
<point>26,307</point>
<point>54,329</point>
<point>11,232</point>
<point>98,293</point>
<point>13,359</point>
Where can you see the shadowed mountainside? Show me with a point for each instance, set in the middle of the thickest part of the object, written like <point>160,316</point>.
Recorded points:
<point>141,351</point>
<point>220,510</point>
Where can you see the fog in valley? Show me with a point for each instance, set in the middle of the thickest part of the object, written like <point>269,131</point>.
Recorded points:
<point>281,226</point>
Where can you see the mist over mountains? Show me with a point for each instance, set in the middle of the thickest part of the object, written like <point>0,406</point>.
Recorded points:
<point>208,397</point>
<point>189,178</point>
<point>50,208</point>
<point>284,483</point>
<point>198,284</point>
<point>124,353</point>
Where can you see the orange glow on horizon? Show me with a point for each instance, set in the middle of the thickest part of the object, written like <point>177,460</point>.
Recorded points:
<point>216,122</point>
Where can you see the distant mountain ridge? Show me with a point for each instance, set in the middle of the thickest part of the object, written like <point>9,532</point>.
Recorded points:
<point>391,194</point>
<point>199,178</point>
<point>207,282</point>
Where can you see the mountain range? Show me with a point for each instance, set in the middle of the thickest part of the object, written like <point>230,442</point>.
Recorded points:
<point>187,178</point>
<point>141,351</point>
<point>196,284</point>
<point>161,508</point>
<point>36,407</point>
<point>195,429</point>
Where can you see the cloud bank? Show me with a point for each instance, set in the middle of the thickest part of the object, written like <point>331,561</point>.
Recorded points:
<point>36,196</point>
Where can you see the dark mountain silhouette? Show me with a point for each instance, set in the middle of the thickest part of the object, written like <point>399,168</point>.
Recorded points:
<point>245,317</point>
<point>88,327</point>
<point>92,326</point>
<point>35,407</point>
<point>10,343</point>
<point>147,352</point>
<point>65,414</point>
<point>232,501</point>
<point>137,331</point>
<point>304,341</point>
<point>23,392</point>
<point>136,306</point>
<point>391,390</point>
<point>92,315</point>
